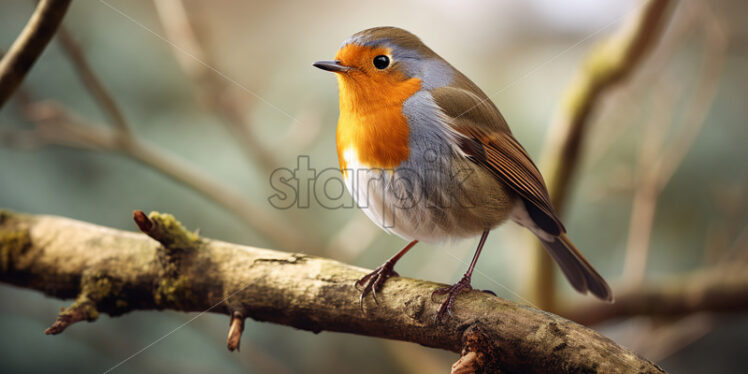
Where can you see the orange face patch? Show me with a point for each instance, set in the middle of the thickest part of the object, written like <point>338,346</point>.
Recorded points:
<point>371,101</point>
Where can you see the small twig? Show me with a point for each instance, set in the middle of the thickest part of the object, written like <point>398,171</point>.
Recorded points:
<point>142,221</point>
<point>29,45</point>
<point>236,327</point>
<point>82,310</point>
<point>165,229</point>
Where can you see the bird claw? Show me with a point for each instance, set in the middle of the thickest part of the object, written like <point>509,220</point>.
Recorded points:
<point>452,292</point>
<point>373,282</point>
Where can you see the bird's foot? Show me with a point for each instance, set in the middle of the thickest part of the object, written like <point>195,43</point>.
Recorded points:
<point>372,282</point>
<point>452,292</point>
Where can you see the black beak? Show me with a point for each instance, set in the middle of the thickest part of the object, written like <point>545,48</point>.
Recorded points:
<point>333,66</point>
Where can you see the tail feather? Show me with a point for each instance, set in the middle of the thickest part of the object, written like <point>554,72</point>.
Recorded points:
<point>580,273</point>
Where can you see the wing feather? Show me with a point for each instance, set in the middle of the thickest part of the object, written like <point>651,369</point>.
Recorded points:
<point>483,135</point>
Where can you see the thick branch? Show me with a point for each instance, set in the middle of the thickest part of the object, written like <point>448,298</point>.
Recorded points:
<point>606,65</point>
<point>29,45</point>
<point>116,272</point>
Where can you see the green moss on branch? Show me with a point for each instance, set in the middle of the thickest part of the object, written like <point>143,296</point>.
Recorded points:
<point>114,272</point>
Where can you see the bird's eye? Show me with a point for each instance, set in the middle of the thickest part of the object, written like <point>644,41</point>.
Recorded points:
<point>381,62</point>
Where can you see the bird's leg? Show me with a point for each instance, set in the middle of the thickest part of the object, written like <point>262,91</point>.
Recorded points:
<point>373,281</point>
<point>464,283</point>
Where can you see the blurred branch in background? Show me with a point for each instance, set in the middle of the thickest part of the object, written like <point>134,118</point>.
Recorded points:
<point>185,35</point>
<point>56,125</point>
<point>29,45</point>
<point>678,310</point>
<point>663,144</point>
<point>117,272</point>
<point>184,32</point>
<point>606,65</point>
<point>720,288</point>
<point>658,161</point>
<point>687,17</point>
<point>680,307</point>
<point>212,86</point>
<point>59,126</point>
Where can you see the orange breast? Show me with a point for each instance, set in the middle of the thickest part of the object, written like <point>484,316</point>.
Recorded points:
<point>371,120</point>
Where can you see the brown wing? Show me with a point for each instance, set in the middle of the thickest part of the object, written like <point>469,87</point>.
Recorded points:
<point>484,136</point>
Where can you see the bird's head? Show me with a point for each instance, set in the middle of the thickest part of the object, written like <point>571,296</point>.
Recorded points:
<point>386,63</point>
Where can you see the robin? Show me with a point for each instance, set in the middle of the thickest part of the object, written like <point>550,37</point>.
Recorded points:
<point>428,157</point>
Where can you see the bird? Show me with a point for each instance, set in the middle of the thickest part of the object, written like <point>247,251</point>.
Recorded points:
<point>428,156</point>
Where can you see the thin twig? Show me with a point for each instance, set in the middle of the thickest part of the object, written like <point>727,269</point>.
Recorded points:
<point>236,327</point>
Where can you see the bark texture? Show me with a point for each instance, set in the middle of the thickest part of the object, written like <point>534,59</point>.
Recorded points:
<point>115,272</point>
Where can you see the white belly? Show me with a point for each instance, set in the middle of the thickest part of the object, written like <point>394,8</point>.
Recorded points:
<point>395,201</point>
<point>367,186</point>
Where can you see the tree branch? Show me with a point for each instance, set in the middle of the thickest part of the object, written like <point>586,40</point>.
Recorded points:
<point>115,272</point>
<point>659,161</point>
<point>605,66</point>
<point>197,62</point>
<point>723,288</point>
<point>29,45</point>
<point>75,132</point>
<point>57,126</point>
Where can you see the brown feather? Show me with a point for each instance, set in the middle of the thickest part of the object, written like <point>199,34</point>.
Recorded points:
<point>580,273</point>
<point>487,139</point>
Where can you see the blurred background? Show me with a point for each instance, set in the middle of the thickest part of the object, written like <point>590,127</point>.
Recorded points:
<point>226,89</point>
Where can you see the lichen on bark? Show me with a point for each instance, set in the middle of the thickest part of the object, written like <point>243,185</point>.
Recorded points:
<point>115,272</point>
